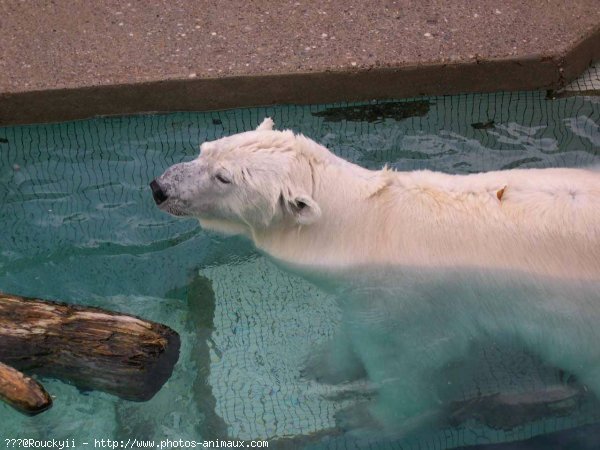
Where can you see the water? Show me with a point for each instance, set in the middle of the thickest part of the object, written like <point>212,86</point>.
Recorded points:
<point>79,225</point>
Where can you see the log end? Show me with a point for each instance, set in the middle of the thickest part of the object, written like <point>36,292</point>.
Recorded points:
<point>159,369</point>
<point>22,392</point>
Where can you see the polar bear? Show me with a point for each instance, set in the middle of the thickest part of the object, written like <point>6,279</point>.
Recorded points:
<point>423,262</point>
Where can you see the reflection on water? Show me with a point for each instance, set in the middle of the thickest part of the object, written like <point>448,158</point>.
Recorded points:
<point>79,225</point>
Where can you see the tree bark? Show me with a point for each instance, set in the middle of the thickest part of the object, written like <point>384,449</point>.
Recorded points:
<point>93,348</point>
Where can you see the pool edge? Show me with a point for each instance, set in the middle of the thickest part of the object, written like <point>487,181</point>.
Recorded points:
<point>533,72</point>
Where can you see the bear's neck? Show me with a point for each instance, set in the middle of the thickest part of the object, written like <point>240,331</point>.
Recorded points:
<point>352,229</point>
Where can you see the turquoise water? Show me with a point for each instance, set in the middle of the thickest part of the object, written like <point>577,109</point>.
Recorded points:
<point>79,225</point>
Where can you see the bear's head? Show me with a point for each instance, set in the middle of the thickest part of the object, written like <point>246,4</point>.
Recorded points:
<point>242,183</point>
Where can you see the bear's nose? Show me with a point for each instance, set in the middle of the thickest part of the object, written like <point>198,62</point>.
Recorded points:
<point>157,192</point>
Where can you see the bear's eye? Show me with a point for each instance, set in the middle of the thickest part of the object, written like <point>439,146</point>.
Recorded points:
<point>222,179</point>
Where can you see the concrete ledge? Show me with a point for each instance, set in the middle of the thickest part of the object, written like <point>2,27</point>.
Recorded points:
<point>547,70</point>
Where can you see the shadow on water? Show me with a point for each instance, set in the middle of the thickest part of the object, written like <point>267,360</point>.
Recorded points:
<point>376,112</point>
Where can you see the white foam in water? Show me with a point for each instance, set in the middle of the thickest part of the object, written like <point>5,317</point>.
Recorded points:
<point>79,225</point>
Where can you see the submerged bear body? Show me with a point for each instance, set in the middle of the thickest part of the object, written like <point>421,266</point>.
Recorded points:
<point>440,259</point>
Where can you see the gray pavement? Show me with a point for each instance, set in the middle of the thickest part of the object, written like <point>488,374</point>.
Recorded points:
<point>66,59</point>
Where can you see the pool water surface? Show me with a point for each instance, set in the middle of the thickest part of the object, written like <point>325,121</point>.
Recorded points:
<point>79,225</point>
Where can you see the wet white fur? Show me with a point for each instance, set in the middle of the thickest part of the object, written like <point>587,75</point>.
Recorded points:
<point>453,257</point>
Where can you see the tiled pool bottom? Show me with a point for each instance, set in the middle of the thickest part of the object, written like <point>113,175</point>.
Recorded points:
<point>79,225</point>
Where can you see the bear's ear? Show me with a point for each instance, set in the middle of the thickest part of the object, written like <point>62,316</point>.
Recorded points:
<point>266,125</point>
<point>304,209</point>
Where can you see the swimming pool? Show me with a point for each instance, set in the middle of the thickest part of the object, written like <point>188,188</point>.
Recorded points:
<point>79,225</point>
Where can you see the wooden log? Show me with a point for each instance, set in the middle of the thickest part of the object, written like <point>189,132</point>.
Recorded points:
<point>22,392</point>
<point>90,347</point>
